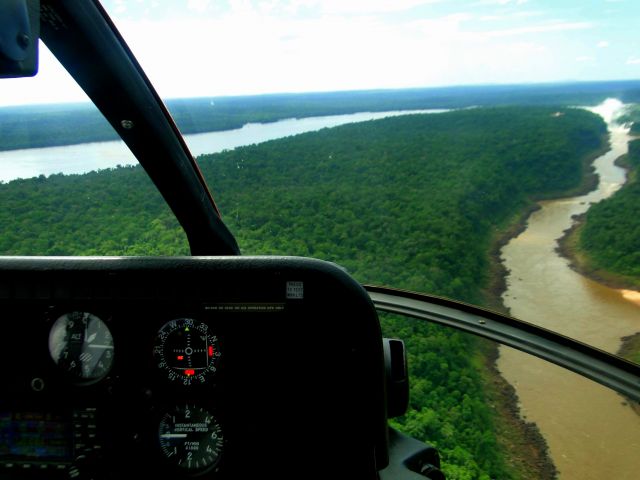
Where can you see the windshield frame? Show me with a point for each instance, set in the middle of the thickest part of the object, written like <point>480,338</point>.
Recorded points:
<point>83,38</point>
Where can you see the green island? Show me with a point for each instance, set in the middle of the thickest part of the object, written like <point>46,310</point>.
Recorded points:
<point>413,202</point>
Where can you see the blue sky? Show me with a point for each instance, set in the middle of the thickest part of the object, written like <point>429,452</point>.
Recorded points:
<point>212,47</point>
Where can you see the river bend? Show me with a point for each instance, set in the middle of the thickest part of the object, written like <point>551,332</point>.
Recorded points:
<point>592,433</point>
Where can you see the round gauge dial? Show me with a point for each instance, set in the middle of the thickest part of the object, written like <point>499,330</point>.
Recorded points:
<point>191,438</point>
<point>81,345</point>
<point>187,351</point>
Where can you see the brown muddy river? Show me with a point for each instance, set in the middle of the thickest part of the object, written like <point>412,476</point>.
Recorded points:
<point>591,432</point>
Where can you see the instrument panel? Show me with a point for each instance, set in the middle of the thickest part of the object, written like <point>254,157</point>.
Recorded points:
<point>187,367</point>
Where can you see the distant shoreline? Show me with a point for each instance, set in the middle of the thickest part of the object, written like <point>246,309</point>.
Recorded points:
<point>48,125</point>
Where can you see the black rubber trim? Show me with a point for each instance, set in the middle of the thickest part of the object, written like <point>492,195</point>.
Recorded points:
<point>602,367</point>
<point>87,44</point>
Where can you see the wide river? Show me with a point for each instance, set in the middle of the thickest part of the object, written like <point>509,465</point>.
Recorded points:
<point>83,158</point>
<point>591,432</point>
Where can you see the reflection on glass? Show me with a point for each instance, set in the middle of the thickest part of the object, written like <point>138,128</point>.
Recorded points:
<point>543,289</point>
<point>592,432</point>
<point>495,411</point>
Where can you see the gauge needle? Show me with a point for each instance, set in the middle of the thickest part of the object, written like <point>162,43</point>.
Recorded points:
<point>173,435</point>
<point>93,345</point>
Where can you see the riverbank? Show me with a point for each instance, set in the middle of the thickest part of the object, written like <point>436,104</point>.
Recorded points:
<point>543,290</point>
<point>502,235</point>
<point>525,448</point>
<point>497,278</point>
<point>579,261</point>
<point>569,248</point>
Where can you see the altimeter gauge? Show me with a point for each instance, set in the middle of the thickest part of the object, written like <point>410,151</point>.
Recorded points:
<point>190,439</point>
<point>81,345</point>
<point>186,351</point>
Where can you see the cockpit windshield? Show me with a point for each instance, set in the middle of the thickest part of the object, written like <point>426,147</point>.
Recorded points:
<point>484,151</point>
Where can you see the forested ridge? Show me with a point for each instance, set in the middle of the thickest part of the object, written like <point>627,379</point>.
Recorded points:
<point>610,235</point>
<point>410,202</point>
<point>389,198</point>
<point>49,125</point>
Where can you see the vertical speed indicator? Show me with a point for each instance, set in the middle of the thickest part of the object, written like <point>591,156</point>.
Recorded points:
<point>186,351</point>
<point>191,439</point>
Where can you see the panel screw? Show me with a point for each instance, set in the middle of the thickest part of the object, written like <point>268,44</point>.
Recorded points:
<point>126,124</point>
<point>37,384</point>
<point>23,40</point>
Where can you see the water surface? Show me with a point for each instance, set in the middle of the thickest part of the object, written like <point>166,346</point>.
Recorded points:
<point>86,157</point>
<point>591,432</point>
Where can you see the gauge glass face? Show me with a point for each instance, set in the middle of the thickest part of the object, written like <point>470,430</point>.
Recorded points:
<point>187,351</point>
<point>191,438</point>
<point>81,345</point>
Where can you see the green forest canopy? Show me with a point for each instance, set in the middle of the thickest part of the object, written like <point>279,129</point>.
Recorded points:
<point>611,233</point>
<point>409,201</point>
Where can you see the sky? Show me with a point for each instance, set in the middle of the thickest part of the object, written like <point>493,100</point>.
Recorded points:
<point>242,47</point>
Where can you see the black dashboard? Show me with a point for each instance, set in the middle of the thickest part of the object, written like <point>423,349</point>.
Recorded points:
<point>214,367</point>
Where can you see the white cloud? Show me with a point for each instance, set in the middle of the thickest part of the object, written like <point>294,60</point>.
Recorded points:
<point>263,46</point>
<point>527,47</point>
<point>253,54</point>
<point>52,84</point>
<point>345,7</point>
<point>528,13</point>
<point>198,5</point>
<point>511,16</point>
<point>249,52</point>
<point>241,7</point>
<point>552,27</point>
<point>501,2</point>
<point>603,44</point>
<point>120,7</point>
